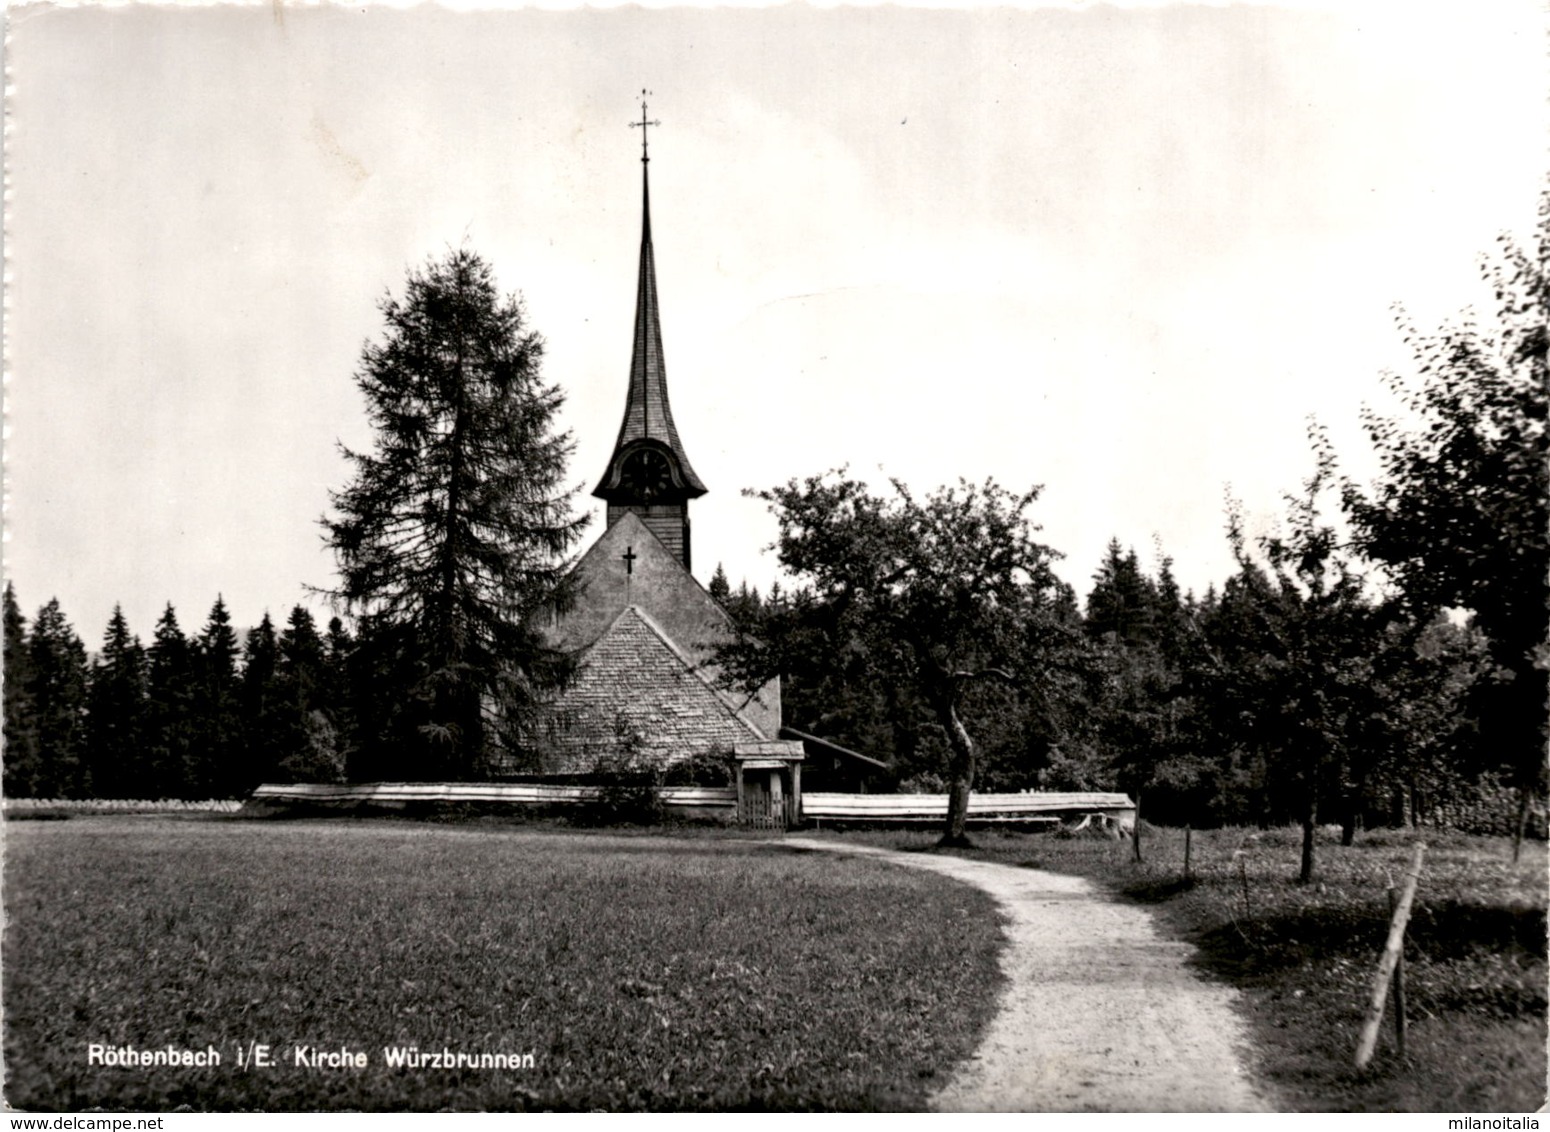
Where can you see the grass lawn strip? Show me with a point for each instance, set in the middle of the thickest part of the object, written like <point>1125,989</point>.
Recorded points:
<point>641,972</point>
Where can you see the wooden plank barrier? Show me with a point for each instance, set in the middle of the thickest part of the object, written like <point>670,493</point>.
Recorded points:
<point>691,797</point>
<point>1392,950</point>
<point>1036,809</point>
<point>1032,808</point>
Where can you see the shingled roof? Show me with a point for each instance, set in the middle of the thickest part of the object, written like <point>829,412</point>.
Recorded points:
<point>635,681</point>
<point>647,414</point>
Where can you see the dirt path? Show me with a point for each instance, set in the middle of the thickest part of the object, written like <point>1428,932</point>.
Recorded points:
<point>1101,1012</point>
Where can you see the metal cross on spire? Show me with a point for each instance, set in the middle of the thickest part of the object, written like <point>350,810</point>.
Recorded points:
<point>642,125</point>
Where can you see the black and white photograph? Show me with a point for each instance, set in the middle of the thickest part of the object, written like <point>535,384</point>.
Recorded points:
<point>776,558</point>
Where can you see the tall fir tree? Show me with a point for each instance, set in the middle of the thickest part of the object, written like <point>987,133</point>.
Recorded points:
<point>261,705</point>
<point>719,588</point>
<point>301,682</point>
<point>1137,626</point>
<point>57,683</point>
<point>170,680</point>
<point>454,528</point>
<point>301,662</point>
<point>21,740</point>
<point>117,725</point>
<point>1123,600</point>
<point>216,772</point>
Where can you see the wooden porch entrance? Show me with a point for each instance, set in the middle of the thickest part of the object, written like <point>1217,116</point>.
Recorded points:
<point>769,784</point>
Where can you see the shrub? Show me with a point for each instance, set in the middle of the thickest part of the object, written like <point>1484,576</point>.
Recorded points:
<point>705,769</point>
<point>320,760</point>
<point>627,785</point>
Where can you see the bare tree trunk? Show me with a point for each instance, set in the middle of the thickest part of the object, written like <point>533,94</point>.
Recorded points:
<point>1521,824</point>
<point>960,773</point>
<point>1310,817</point>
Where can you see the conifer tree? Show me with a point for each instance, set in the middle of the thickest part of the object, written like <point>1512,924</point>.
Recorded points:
<point>300,674</point>
<point>454,527</point>
<point>215,773</point>
<point>57,683</point>
<point>261,705</point>
<point>170,678</point>
<point>719,587</point>
<point>746,607</point>
<point>119,714</point>
<point>381,743</point>
<point>1123,599</point>
<point>21,746</point>
<point>301,662</point>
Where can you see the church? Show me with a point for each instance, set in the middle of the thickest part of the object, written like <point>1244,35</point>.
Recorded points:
<point>644,694</point>
<point>642,629</point>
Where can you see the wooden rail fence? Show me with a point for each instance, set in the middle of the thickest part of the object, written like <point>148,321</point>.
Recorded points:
<point>1036,809</point>
<point>530,794</point>
<point>1031,809</point>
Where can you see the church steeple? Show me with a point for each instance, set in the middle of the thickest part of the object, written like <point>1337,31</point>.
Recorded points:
<point>649,472</point>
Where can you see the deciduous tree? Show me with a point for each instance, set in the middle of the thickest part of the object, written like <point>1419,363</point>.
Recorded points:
<point>1294,648</point>
<point>930,595</point>
<point>1460,516</point>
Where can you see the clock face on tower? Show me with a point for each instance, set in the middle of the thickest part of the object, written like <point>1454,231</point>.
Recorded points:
<point>646,474</point>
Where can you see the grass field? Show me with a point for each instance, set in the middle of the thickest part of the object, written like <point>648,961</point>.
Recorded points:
<point>1304,956</point>
<point>640,972</point>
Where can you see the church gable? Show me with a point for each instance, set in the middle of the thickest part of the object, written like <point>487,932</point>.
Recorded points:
<point>635,691</point>
<point>628,565</point>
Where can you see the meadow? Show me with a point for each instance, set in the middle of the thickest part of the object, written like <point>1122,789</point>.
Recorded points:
<point>640,972</point>
<point>1303,956</point>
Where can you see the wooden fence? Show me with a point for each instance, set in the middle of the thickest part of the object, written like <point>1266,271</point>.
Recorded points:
<point>721,801</point>
<point>761,812</point>
<point>1027,809</point>
<point>122,805</point>
<point>692,798</point>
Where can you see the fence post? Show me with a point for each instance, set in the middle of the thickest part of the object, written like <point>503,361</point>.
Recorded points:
<point>1393,951</point>
<point>1399,983</point>
<point>1135,835</point>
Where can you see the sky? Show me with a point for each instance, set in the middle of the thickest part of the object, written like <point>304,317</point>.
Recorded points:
<point>1124,253</point>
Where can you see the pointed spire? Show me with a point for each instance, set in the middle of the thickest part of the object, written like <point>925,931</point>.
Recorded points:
<point>647,415</point>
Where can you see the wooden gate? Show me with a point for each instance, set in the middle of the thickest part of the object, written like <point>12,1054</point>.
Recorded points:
<point>768,778</point>
<point>765,802</point>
